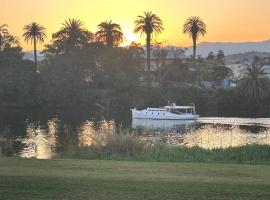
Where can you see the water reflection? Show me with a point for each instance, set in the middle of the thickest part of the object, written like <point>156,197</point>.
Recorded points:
<point>209,136</point>
<point>40,142</point>
<point>43,139</point>
<point>218,136</point>
<point>177,126</point>
<point>86,133</point>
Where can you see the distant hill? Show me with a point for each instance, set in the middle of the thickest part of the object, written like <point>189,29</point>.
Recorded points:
<point>29,55</point>
<point>248,56</point>
<point>230,48</point>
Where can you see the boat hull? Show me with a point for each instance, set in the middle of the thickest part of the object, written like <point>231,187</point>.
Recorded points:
<point>136,114</point>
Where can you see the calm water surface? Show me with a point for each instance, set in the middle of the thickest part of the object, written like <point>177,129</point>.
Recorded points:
<point>43,134</point>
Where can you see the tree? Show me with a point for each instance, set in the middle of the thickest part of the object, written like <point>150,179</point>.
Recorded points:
<point>72,36</point>
<point>3,33</point>
<point>220,73</point>
<point>17,78</point>
<point>6,39</point>
<point>194,27</point>
<point>211,56</point>
<point>110,33</point>
<point>221,57</point>
<point>254,82</point>
<point>147,24</point>
<point>35,33</point>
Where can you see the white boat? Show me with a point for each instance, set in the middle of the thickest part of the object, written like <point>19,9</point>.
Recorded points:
<point>171,112</point>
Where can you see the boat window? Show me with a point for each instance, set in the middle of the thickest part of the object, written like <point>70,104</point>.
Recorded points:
<point>176,111</point>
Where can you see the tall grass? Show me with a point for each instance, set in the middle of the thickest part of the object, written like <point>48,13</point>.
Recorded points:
<point>126,145</point>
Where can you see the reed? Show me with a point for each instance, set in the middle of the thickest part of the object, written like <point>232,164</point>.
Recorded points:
<point>126,145</point>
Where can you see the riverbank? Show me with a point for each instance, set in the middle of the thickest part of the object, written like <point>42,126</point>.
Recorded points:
<point>135,151</point>
<point>83,179</point>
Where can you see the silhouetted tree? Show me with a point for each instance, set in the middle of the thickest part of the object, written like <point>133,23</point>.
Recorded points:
<point>221,57</point>
<point>194,27</point>
<point>71,36</point>
<point>6,39</point>
<point>147,24</point>
<point>211,56</point>
<point>3,32</point>
<point>17,78</point>
<point>110,33</point>
<point>254,82</point>
<point>35,33</point>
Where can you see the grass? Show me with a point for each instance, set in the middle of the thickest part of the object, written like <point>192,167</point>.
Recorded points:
<point>107,180</point>
<point>125,145</point>
<point>249,154</point>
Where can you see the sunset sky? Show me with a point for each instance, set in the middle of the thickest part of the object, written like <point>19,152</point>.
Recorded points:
<point>227,20</point>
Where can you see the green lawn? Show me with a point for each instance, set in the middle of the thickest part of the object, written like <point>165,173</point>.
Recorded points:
<point>82,179</point>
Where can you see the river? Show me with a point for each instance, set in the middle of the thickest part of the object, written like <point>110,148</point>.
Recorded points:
<point>42,134</point>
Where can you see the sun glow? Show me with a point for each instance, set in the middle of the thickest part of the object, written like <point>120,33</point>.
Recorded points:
<point>220,25</point>
<point>129,37</point>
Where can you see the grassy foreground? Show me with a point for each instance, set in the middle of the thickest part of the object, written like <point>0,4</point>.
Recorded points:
<point>84,179</point>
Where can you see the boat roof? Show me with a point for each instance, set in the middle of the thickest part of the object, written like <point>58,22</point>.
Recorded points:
<point>180,107</point>
<point>175,107</point>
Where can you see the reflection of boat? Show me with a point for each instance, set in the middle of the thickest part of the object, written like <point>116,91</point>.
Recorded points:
<point>171,112</point>
<point>162,125</point>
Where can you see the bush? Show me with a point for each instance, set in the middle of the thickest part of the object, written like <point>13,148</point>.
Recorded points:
<point>126,145</point>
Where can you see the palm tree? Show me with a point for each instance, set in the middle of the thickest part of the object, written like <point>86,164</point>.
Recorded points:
<point>194,27</point>
<point>254,81</point>
<point>72,35</point>
<point>147,24</point>
<point>35,33</point>
<point>110,33</point>
<point>3,32</point>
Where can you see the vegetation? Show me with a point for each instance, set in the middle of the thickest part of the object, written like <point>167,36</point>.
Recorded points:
<point>34,33</point>
<point>81,179</point>
<point>110,34</point>
<point>254,83</point>
<point>194,27</point>
<point>71,37</point>
<point>80,72</point>
<point>125,145</point>
<point>6,39</point>
<point>148,24</point>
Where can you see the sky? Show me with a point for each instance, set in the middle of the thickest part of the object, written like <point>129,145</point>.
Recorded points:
<point>227,20</point>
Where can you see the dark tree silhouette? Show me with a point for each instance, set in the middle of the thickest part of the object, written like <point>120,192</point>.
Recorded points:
<point>221,57</point>
<point>147,24</point>
<point>211,56</point>
<point>3,32</point>
<point>35,33</point>
<point>71,36</point>
<point>254,81</point>
<point>110,33</point>
<point>194,27</point>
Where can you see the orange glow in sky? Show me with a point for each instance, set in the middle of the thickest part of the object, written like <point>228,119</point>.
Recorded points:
<point>227,20</point>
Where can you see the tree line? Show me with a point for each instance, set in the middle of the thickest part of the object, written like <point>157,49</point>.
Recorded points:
<point>87,69</point>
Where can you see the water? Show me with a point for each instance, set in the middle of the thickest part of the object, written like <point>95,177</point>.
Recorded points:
<point>42,134</point>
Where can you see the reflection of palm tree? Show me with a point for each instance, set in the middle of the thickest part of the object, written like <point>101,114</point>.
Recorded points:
<point>110,33</point>
<point>73,35</point>
<point>34,33</point>
<point>194,27</point>
<point>3,32</point>
<point>147,24</point>
<point>254,81</point>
